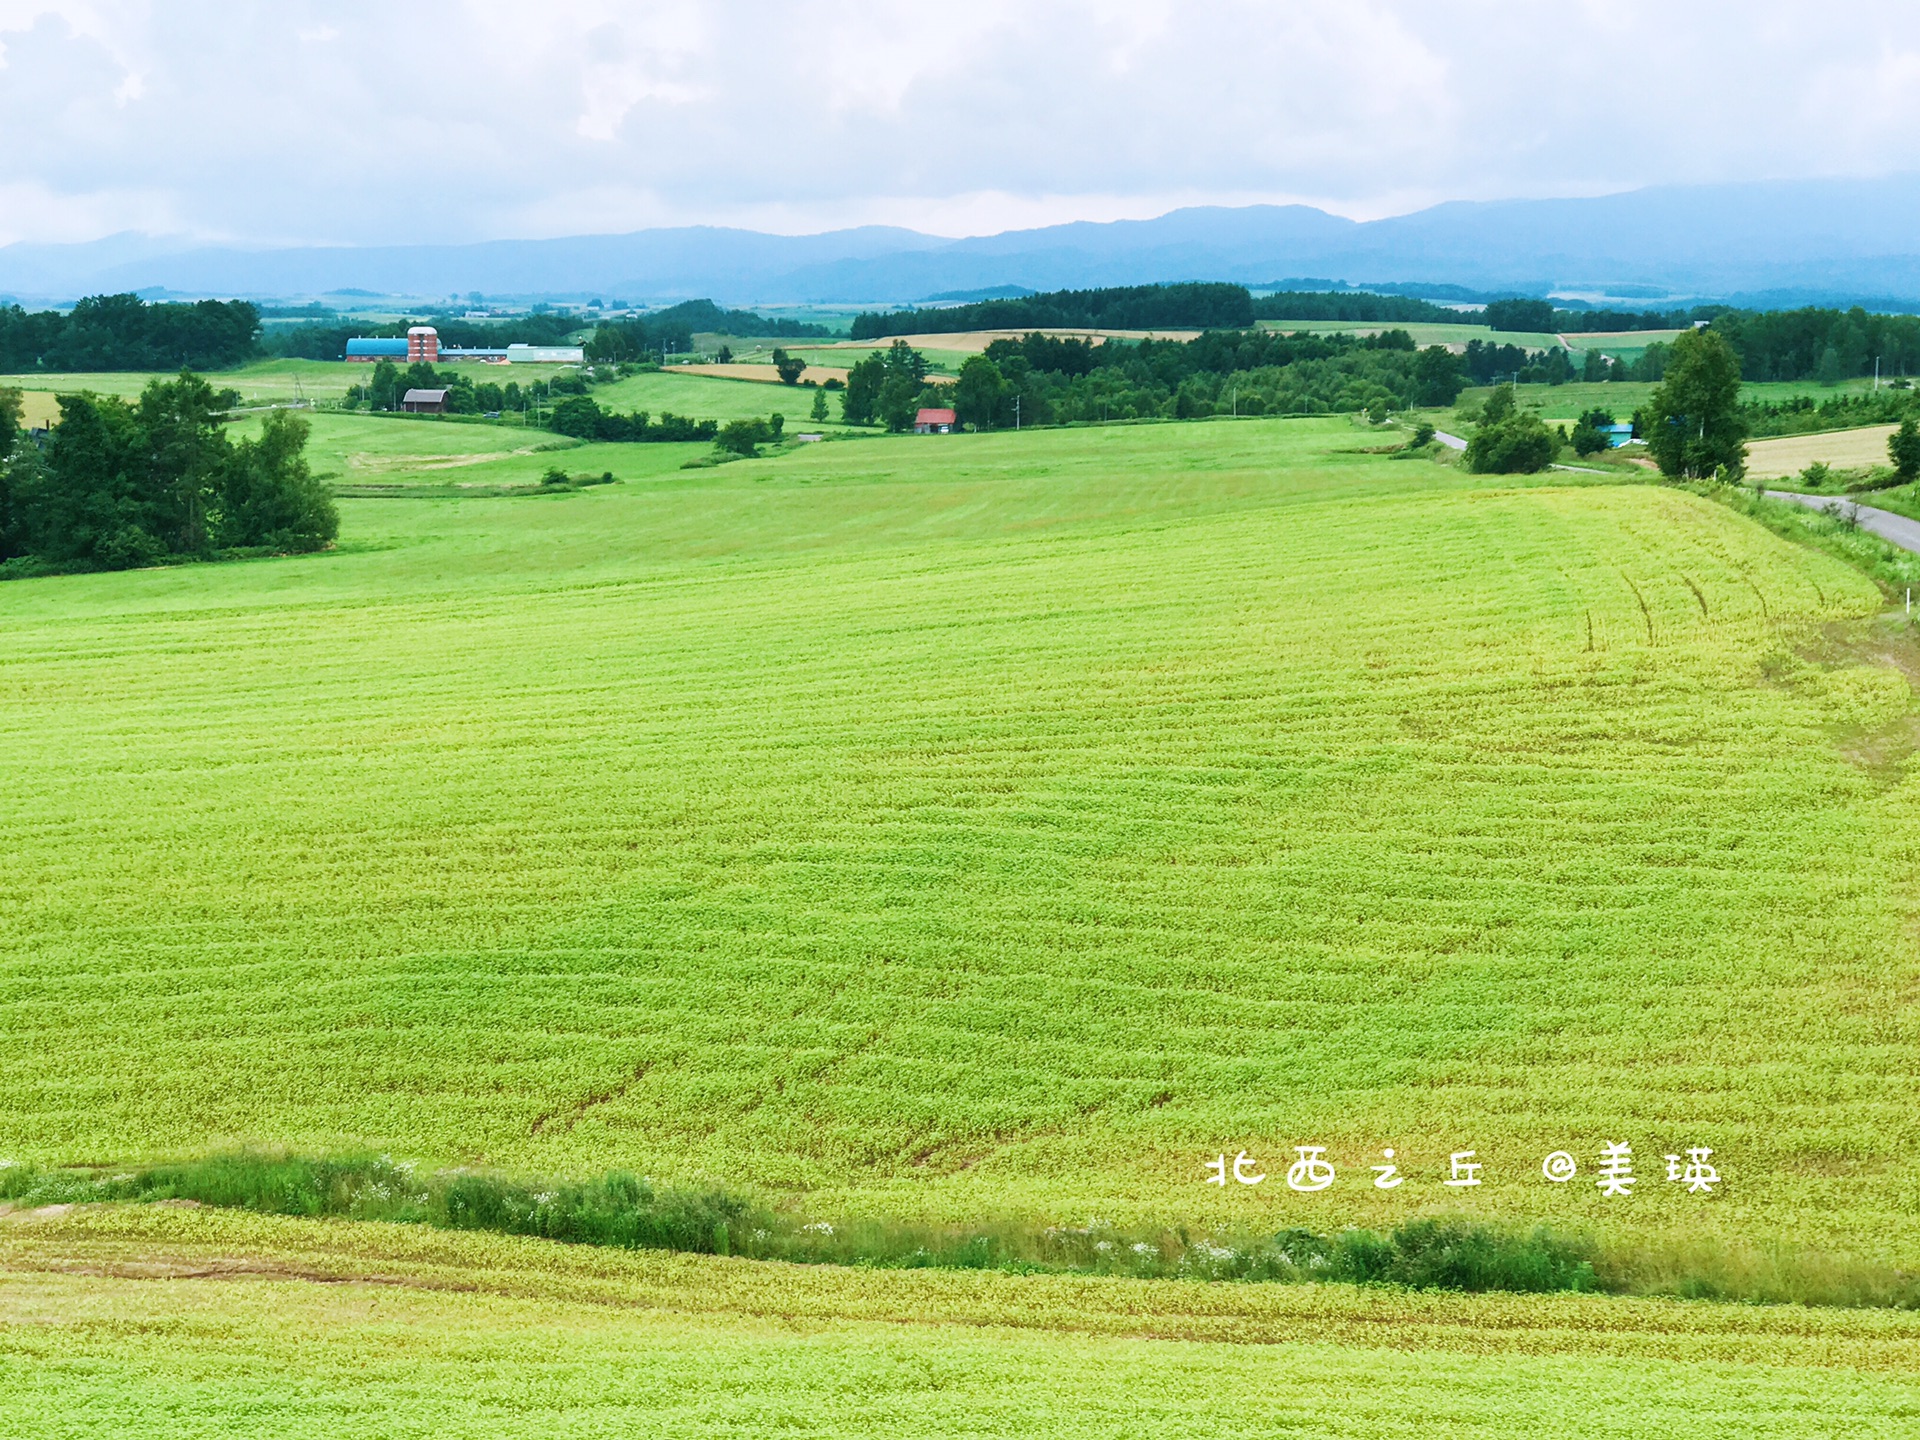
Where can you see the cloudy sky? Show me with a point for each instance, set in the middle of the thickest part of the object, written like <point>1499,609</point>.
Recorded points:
<point>470,119</point>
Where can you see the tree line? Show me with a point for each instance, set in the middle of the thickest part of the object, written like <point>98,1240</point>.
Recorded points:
<point>581,417</point>
<point>1355,305</point>
<point>124,332</point>
<point>1186,306</point>
<point>122,484</point>
<point>1046,380</point>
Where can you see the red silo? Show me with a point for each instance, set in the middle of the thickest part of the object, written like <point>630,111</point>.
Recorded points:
<point>423,343</point>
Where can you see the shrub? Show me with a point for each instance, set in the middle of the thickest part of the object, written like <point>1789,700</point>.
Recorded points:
<point>1517,444</point>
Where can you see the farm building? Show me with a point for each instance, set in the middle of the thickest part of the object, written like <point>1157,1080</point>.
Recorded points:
<point>424,402</point>
<point>933,422</point>
<point>423,344</point>
<point>1617,435</point>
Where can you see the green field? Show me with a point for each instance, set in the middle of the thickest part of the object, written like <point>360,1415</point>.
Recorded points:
<point>266,383</point>
<point>211,1325</point>
<point>707,397</point>
<point>969,827</point>
<point>1423,332</point>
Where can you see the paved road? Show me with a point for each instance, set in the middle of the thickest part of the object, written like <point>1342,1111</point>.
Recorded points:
<point>1452,442</point>
<point>1897,529</point>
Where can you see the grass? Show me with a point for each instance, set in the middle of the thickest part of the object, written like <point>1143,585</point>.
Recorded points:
<point>999,828</point>
<point>368,454</point>
<point>624,1211</point>
<point>964,841</point>
<point>306,1329</point>
<point>262,383</point>
<point>706,397</point>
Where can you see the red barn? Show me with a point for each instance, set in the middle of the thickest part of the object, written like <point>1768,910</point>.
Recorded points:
<point>933,422</point>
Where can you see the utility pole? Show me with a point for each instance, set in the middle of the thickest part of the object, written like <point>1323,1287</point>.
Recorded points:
<point>1016,413</point>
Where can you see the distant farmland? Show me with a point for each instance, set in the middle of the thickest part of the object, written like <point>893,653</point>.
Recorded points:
<point>1845,449</point>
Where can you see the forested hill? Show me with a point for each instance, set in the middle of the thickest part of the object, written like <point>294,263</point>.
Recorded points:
<point>123,332</point>
<point>1190,306</point>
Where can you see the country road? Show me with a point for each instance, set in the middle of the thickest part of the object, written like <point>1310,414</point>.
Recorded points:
<point>1897,529</point>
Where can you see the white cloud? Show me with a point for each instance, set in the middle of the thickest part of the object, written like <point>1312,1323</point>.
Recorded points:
<point>353,121</point>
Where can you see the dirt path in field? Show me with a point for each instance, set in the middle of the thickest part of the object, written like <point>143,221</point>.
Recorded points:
<point>1895,529</point>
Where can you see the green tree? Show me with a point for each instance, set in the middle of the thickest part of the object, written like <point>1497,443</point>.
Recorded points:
<point>609,345</point>
<point>819,410</point>
<point>1438,376</point>
<point>1520,315</point>
<point>11,542</point>
<point>1903,448</point>
<point>1829,371</point>
<point>978,393</point>
<point>1589,433</point>
<point>12,403</point>
<point>383,390</point>
<point>90,505</point>
<point>904,360</point>
<point>1515,442</point>
<point>788,367</point>
<point>744,437</point>
<point>1692,421</point>
<point>861,402</point>
<point>899,402</point>
<point>267,494</point>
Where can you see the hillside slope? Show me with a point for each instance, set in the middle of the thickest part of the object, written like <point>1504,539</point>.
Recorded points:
<point>1008,824</point>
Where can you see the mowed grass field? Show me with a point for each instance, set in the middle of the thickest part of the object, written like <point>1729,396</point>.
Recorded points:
<point>195,1325</point>
<point>989,825</point>
<point>408,455</point>
<point>712,397</point>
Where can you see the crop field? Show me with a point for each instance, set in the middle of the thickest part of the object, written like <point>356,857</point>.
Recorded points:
<point>988,825</point>
<point>958,828</point>
<point>764,374</point>
<point>1423,332</point>
<point>1627,343</point>
<point>1790,454</point>
<point>211,1324</point>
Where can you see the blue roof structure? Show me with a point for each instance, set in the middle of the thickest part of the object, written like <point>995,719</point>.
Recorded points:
<point>377,349</point>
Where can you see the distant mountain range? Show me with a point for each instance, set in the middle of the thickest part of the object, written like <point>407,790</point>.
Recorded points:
<point>1780,242</point>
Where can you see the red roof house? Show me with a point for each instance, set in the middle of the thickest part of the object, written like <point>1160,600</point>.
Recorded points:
<point>934,422</point>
